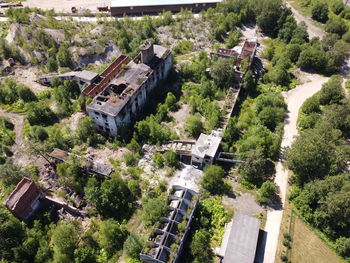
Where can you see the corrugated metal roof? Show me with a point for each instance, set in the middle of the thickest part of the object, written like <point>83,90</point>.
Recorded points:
<point>126,3</point>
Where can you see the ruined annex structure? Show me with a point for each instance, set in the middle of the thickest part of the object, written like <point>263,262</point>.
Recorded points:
<point>121,7</point>
<point>120,92</point>
<point>87,164</point>
<point>167,241</point>
<point>25,199</point>
<point>82,78</point>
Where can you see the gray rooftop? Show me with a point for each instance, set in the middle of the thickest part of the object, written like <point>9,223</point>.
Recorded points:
<point>87,75</point>
<point>126,3</point>
<point>206,145</point>
<point>111,102</point>
<point>240,239</point>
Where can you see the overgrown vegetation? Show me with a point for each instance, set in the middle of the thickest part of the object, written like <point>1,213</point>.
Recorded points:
<point>318,159</point>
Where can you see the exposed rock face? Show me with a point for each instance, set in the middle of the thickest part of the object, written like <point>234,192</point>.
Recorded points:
<point>111,50</point>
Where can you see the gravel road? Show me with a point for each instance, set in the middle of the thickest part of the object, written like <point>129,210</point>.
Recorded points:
<point>313,30</point>
<point>294,98</point>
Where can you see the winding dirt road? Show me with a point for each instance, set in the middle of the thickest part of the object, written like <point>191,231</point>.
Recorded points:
<point>313,30</point>
<point>294,99</point>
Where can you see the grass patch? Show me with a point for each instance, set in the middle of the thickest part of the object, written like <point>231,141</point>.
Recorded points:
<point>308,247</point>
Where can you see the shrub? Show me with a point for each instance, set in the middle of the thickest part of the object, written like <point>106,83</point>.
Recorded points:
<point>170,158</point>
<point>158,160</point>
<point>266,191</point>
<point>130,158</point>
<point>193,125</point>
<point>320,12</point>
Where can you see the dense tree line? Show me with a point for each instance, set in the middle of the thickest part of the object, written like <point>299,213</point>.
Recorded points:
<point>318,158</point>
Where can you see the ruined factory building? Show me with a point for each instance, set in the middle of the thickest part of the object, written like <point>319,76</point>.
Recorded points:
<point>88,165</point>
<point>25,199</point>
<point>205,150</point>
<point>123,88</point>
<point>120,7</point>
<point>167,241</point>
<point>240,239</point>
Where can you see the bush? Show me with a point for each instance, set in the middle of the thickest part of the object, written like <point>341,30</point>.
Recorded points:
<point>320,12</point>
<point>336,26</point>
<point>38,133</point>
<point>170,158</point>
<point>332,91</point>
<point>193,125</point>
<point>130,158</point>
<point>337,6</point>
<point>158,160</point>
<point>342,247</point>
<point>266,191</point>
<point>41,115</point>
<point>132,246</point>
<point>212,181</point>
<point>185,46</point>
<point>154,209</point>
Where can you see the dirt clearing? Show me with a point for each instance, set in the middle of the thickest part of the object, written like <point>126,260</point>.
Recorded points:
<point>66,5</point>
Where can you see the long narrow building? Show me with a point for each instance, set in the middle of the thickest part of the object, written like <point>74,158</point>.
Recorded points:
<point>133,7</point>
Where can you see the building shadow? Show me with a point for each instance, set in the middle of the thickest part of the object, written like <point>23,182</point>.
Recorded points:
<point>260,249</point>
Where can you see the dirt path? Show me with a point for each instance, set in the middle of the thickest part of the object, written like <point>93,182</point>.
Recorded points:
<point>313,30</point>
<point>294,98</point>
<point>18,148</point>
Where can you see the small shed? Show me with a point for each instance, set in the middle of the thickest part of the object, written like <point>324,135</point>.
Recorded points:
<point>24,199</point>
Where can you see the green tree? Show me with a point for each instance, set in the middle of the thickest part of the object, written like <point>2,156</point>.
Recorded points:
<point>336,26</point>
<point>266,191</point>
<point>223,72</point>
<point>337,6</point>
<point>111,236</point>
<point>158,160</point>
<point>84,254</point>
<point>51,65</point>
<point>154,209</point>
<point>255,169</point>
<point>332,91</point>
<point>65,240</point>
<point>133,246</point>
<point>11,174</point>
<point>170,158</point>
<point>86,130</point>
<point>40,115</point>
<point>193,125</point>
<point>320,12</point>
<point>64,57</point>
<point>112,198</point>
<point>212,180</point>
<point>11,232</point>
<point>199,247</point>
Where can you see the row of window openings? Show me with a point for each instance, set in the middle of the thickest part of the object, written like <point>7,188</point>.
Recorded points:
<point>197,5</point>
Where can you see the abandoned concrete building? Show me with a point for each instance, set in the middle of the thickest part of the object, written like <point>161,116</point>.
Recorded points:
<point>82,78</point>
<point>240,239</point>
<point>25,199</point>
<point>121,7</point>
<point>205,150</point>
<point>247,51</point>
<point>166,242</point>
<point>123,88</point>
<point>87,165</point>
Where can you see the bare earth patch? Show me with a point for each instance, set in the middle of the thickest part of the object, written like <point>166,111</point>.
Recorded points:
<point>28,76</point>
